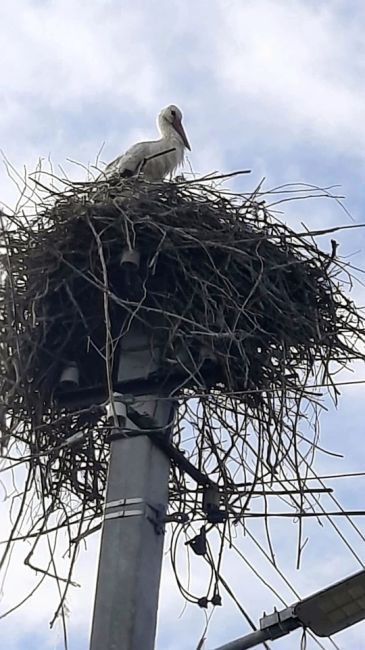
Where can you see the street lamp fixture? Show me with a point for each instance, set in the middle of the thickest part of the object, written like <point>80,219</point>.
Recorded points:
<point>324,613</point>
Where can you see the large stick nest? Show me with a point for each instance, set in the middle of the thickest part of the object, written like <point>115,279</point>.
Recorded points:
<point>246,312</point>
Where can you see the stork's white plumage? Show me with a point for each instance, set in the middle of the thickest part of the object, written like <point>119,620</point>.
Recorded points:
<point>140,159</point>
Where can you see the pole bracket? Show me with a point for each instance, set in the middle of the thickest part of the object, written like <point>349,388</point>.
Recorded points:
<point>126,510</point>
<point>136,506</point>
<point>279,623</point>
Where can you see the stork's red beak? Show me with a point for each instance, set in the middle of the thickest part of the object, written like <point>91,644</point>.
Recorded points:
<point>180,130</point>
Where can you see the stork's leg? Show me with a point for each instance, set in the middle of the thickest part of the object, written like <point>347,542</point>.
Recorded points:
<point>141,166</point>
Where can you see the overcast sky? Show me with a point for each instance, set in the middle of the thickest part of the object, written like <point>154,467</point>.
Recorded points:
<point>276,86</point>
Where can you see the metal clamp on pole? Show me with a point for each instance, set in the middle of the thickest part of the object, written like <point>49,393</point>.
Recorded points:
<point>279,623</point>
<point>155,513</point>
<point>127,511</point>
<point>116,409</point>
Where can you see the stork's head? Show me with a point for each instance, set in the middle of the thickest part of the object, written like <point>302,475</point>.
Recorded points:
<point>171,116</point>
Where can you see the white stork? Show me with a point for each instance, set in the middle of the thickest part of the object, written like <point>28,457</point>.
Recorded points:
<point>143,157</point>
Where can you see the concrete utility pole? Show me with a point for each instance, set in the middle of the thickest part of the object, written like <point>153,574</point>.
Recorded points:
<point>126,603</point>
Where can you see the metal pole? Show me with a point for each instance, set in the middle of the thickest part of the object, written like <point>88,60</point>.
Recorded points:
<point>126,602</point>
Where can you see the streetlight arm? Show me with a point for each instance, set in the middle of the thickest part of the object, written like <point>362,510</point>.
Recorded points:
<point>272,627</point>
<point>326,612</point>
<point>248,641</point>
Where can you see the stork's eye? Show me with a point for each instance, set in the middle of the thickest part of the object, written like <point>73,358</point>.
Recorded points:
<point>173,113</point>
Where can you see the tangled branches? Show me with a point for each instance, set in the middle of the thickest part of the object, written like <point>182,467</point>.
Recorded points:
<point>246,313</point>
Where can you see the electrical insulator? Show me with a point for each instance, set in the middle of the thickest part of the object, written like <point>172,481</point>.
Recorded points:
<point>70,376</point>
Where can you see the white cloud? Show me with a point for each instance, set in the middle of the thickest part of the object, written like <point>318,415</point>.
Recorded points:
<point>59,52</point>
<point>297,67</point>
